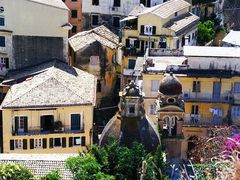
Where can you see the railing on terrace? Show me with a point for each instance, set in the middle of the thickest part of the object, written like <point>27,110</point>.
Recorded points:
<point>199,120</point>
<point>47,130</point>
<point>204,97</point>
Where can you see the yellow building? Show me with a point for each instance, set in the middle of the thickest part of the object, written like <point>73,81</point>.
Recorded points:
<point>170,25</point>
<point>48,109</point>
<point>211,95</point>
<point>96,51</point>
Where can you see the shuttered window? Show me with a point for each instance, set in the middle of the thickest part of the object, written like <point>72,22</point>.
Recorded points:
<point>76,122</point>
<point>21,124</point>
<point>2,41</point>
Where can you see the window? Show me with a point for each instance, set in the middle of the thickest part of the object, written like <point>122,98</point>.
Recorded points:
<point>2,21</point>
<point>21,124</point>
<point>74,0</point>
<point>94,20</point>
<point>131,63</point>
<point>178,44</point>
<point>116,21</point>
<point>131,109</point>
<point>193,36</point>
<point>99,86</point>
<point>175,14</point>
<point>95,2</point>
<point>237,87</point>
<point>152,109</point>
<point>195,109</point>
<point>74,29</point>
<point>37,143</point>
<point>74,13</point>
<point>189,38</point>
<point>57,142</point>
<point>148,30</point>
<point>76,122</point>
<point>77,141</point>
<point>146,3</point>
<point>196,86</point>
<point>18,144</point>
<point>154,85</point>
<point>2,41</point>
<point>236,111</point>
<point>117,3</point>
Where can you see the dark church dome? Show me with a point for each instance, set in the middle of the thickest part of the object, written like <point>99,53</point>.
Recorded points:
<point>170,85</point>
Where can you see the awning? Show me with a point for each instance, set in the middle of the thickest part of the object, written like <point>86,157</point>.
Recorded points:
<point>128,18</point>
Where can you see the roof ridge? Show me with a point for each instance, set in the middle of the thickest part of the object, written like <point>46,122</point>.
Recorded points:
<point>105,37</point>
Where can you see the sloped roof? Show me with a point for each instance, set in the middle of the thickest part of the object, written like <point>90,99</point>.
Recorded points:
<point>40,164</point>
<point>182,23</point>
<point>208,51</point>
<point>168,8</point>
<point>233,38</point>
<point>100,34</point>
<point>137,9</point>
<point>52,84</point>
<point>54,3</point>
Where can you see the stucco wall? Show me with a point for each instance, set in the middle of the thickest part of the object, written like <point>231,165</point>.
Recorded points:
<point>62,114</point>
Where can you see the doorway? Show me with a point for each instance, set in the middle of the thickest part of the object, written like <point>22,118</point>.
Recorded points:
<point>47,123</point>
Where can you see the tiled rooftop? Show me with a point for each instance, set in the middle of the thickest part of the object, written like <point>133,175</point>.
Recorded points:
<point>40,164</point>
<point>100,34</point>
<point>54,3</point>
<point>51,84</point>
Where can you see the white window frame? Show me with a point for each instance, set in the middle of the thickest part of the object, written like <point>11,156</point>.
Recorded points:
<point>81,123</point>
<point>155,85</point>
<point>38,143</point>
<point>19,118</point>
<point>77,144</point>
<point>148,30</point>
<point>18,144</point>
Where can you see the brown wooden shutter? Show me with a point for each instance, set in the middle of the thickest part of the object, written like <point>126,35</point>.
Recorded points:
<point>31,143</point>
<point>154,30</point>
<point>11,144</point>
<point>70,141</point>
<point>83,142</point>
<point>16,124</point>
<point>24,143</point>
<point>127,43</point>
<point>51,143</point>
<point>142,29</point>
<point>63,142</point>
<point>25,124</point>
<point>44,143</point>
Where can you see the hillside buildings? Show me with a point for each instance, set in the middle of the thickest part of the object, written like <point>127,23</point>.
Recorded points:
<point>172,26</point>
<point>109,13</point>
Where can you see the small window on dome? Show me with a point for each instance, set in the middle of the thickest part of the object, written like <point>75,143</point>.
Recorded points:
<point>132,110</point>
<point>171,100</point>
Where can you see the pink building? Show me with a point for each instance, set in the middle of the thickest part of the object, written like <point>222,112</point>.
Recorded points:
<point>75,15</point>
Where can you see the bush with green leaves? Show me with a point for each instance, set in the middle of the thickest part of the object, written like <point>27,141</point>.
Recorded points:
<point>11,171</point>
<point>53,175</point>
<point>117,162</point>
<point>205,32</point>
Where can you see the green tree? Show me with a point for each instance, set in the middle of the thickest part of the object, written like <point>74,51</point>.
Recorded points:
<point>54,175</point>
<point>11,171</point>
<point>205,32</point>
<point>86,167</point>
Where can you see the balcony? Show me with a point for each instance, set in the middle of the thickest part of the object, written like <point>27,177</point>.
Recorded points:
<point>47,130</point>
<point>203,121</point>
<point>131,72</point>
<point>207,97</point>
<point>132,51</point>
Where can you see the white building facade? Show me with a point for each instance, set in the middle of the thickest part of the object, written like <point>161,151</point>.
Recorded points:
<point>109,12</point>
<point>32,31</point>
